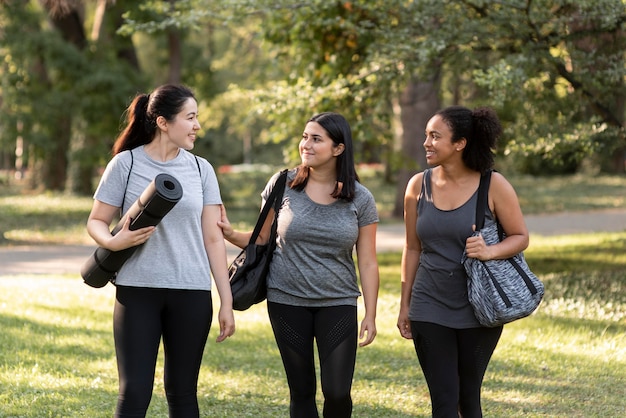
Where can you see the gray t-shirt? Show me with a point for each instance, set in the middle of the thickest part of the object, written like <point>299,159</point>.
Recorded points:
<point>174,257</point>
<point>312,263</point>
<point>439,293</point>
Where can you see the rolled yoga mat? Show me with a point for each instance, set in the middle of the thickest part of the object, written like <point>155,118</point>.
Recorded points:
<point>152,205</point>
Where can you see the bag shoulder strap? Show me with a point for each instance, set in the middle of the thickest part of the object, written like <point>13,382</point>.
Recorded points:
<point>132,160</point>
<point>482,202</point>
<point>273,201</point>
<point>198,164</point>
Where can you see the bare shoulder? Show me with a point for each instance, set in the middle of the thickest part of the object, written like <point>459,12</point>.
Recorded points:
<point>414,186</point>
<point>500,184</point>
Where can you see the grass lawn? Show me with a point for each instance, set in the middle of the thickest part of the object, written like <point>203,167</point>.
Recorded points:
<point>567,360</point>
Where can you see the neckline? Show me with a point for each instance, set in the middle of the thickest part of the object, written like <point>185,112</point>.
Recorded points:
<point>179,155</point>
<point>429,193</point>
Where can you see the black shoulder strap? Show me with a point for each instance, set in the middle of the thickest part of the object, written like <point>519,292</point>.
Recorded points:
<point>273,200</point>
<point>132,160</point>
<point>198,164</point>
<point>482,202</point>
<point>426,185</point>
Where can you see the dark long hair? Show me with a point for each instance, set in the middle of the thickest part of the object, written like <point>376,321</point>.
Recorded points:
<point>480,127</point>
<point>339,131</point>
<point>141,115</point>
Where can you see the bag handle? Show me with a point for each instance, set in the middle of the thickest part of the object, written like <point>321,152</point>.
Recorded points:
<point>482,202</point>
<point>273,200</point>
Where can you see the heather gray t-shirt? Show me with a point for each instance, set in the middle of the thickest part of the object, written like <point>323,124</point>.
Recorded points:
<point>312,263</point>
<point>439,293</point>
<point>174,257</point>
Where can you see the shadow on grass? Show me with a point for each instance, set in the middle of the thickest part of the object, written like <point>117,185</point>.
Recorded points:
<point>55,369</point>
<point>555,380</point>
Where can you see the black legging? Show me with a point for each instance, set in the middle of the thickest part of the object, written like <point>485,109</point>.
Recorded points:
<point>335,331</point>
<point>454,362</point>
<point>141,316</point>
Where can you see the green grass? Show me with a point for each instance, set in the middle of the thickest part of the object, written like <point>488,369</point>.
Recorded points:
<point>570,193</point>
<point>566,360</point>
<point>54,218</point>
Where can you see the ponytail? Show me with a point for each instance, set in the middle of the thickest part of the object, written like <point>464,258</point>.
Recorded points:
<point>139,128</point>
<point>141,115</point>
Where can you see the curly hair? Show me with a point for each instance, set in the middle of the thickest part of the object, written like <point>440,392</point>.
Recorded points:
<point>480,127</point>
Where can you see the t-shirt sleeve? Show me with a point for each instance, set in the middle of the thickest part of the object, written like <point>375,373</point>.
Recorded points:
<point>210,186</point>
<point>268,187</point>
<point>112,184</point>
<point>366,206</point>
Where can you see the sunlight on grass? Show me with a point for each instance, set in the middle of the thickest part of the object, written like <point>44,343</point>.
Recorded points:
<point>45,218</point>
<point>50,218</point>
<point>566,360</point>
<point>578,192</point>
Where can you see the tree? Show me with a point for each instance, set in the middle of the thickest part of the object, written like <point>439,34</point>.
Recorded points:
<point>554,71</point>
<point>58,92</point>
<point>560,96</point>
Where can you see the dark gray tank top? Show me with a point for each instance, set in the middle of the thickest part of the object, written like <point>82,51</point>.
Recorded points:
<point>439,292</point>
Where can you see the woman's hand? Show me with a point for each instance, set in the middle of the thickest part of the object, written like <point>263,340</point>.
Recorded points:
<point>224,223</point>
<point>98,223</point>
<point>476,247</point>
<point>368,331</point>
<point>125,238</point>
<point>404,325</point>
<point>227,323</point>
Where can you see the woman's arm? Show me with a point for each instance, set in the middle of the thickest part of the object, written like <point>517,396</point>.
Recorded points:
<point>241,239</point>
<point>370,280</point>
<point>98,224</point>
<point>216,251</point>
<point>410,253</point>
<point>506,207</point>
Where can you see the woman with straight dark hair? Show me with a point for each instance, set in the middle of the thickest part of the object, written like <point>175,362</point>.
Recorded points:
<point>164,290</point>
<point>452,347</point>
<point>312,283</point>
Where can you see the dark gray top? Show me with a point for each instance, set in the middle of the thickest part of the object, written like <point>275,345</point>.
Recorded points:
<point>439,293</point>
<point>313,264</point>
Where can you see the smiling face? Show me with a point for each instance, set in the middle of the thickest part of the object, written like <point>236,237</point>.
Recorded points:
<point>438,143</point>
<point>316,147</point>
<point>182,130</point>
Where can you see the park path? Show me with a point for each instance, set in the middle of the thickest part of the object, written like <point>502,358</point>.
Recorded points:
<point>68,259</point>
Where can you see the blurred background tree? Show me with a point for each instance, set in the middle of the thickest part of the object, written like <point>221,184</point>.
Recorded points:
<point>553,70</point>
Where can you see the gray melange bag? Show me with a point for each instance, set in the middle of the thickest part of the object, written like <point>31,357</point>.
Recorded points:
<point>500,291</point>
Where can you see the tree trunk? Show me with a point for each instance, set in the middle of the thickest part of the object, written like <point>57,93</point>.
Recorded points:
<point>107,21</point>
<point>55,164</point>
<point>175,49</point>
<point>418,102</point>
<point>67,18</point>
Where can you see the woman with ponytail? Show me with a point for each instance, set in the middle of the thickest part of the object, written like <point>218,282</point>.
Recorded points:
<point>453,349</point>
<point>164,290</point>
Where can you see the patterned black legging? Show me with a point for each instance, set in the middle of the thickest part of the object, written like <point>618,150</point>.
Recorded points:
<point>454,362</point>
<point>335,332</point>
<point>141,317</point>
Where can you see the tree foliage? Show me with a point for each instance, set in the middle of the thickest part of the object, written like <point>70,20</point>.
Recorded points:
<point>553,69</point>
